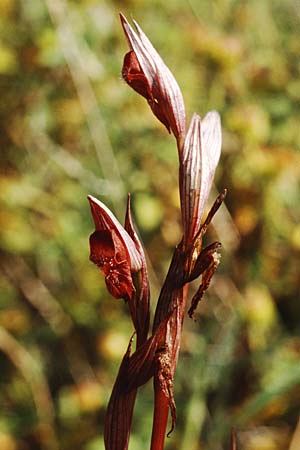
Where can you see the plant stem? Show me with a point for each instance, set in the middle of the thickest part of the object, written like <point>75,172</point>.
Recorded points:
<point>160,418</point>
<point>171,298</point>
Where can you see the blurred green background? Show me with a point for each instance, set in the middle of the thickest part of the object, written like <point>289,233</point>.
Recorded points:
<point>71,127</point>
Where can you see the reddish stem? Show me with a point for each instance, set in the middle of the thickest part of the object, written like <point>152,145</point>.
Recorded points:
<point>161,402</point>
<point>160,418</point>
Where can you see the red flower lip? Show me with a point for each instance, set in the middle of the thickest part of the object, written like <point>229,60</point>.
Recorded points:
<point>105,220</point>
<point>113,250</point>
<point>144,70</point>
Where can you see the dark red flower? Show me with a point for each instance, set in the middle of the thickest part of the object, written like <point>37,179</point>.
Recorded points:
<point>113,250</point>
<point>144,70</point>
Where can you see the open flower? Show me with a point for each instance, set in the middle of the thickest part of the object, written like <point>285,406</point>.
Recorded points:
<point>144,70</point>
<point>113,250</point>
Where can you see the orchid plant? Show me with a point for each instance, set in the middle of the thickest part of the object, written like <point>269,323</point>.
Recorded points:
<point>118,252</point>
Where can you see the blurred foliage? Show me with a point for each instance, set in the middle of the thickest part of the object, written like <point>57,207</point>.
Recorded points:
<point>70,127</point>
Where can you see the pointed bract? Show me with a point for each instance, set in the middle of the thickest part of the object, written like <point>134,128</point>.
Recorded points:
<point>119,412</point>
<point>139,308</point>
<point>201,153</point>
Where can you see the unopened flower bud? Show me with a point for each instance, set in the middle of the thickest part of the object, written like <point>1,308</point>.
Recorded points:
<point>201,153</point>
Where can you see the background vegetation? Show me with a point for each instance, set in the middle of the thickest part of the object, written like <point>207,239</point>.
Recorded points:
<point>70,127</point>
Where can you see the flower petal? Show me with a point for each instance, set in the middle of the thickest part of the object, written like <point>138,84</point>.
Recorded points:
<point>105,220</point>
<point>134,76</point>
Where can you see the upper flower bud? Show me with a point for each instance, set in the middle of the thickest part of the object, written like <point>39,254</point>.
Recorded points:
<point>113,250</point>
<point>200,157</point>
<point>144,70</point>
